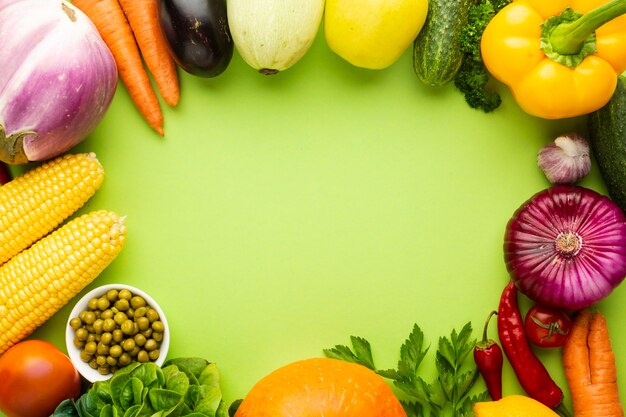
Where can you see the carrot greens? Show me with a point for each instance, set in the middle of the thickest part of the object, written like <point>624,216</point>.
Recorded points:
<point>449,394</point>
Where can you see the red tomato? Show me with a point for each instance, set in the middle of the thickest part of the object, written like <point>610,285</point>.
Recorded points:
<point>35,377</point>
<point>547,327</point>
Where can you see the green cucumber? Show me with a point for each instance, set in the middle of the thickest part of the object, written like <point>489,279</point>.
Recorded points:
<point>437,55</point>
<point>607,137</point>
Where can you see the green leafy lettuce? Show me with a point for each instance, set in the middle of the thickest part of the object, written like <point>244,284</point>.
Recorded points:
<point>182,387</point>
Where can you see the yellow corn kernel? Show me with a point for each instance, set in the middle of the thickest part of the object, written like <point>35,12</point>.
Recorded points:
<point>35,203</point>
<point>38,281</point>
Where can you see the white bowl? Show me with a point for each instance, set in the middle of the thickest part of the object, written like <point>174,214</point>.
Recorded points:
<point>92,375</point>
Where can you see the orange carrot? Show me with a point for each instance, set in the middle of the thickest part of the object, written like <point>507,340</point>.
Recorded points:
<point>589,364</point>
<point>143,16</point>
<point>109,19</point>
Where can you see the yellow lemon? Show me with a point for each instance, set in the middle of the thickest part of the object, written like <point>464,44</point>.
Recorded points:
<point>513,406</point>
<point>373,33</point>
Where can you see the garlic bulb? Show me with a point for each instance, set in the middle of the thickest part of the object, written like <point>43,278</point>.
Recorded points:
<point>565,160</point>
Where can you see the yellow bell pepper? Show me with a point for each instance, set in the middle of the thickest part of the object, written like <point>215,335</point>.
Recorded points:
<point>560,58</point>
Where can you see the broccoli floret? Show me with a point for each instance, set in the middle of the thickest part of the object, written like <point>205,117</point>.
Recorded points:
<point>472,78</point>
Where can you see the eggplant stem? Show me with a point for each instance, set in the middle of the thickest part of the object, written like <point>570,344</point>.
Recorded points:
<point>12,146</point>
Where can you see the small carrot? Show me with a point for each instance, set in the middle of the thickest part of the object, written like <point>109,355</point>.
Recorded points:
<point>589,364</point>
<point>143,17</point>
<point>109,19</point>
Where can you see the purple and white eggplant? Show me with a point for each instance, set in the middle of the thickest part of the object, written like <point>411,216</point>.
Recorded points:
<point>566,247</point>
<point>57,81</point>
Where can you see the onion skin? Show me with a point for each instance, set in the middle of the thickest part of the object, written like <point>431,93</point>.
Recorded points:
<point>566,247</point>
<point>58,78</point>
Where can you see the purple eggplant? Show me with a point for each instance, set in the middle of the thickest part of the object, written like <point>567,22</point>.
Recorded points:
<point>197,35</point>
<point>58,78</point>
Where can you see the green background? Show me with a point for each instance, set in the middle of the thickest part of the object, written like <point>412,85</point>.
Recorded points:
<point>282,214</point>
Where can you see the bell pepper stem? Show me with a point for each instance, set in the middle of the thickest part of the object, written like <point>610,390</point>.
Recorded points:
<point>568,38</point>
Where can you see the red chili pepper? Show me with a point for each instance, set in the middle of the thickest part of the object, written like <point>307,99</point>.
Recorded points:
<point>5,174</point>
<point>531,373</point>
<point>489,360</point>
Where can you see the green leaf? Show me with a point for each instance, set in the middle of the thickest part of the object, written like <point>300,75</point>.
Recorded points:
<point>210,376</point>
<point>445,357</point>
<point>342,353</point>
<point>66,408</point>
<point>190,366</point>
<point>163,399</point>
<point>149,374</point>
<point>412,353</point>
<point>222,410</point>
<point>133,411</point>
<point>388,373</point>
<point>363,352</point>
<point>464,383</point>
<point>175,380</point>
<point>413,409</point>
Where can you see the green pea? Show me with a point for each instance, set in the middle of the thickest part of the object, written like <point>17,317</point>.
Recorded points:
<point>90,347</point>
<point>140,312</point>
<point>93,364</point>
<point>151,344</point>
<point>89,317</point>
<point>143,323</point>
<point>130,312</point>
<point>157,336</point>
<point>112,295</point>
<point>122,304</point>
<point>101,360</point>
<point>106,314</point>
<point>133,353</point>
<point>126,294</point>
<point>103,303</point>
<point>158,326</point>
<point>152,315</point>
<point>92,304</point>
<point>120,318</point>
<point>103,370</point>
<point>154,354</point>
<point>124,359</point>
<point>78,343</point>
<point>137,302</point>
<point>109,325</point>
<point>98,325</point>
<point>118,335</point>
<point>106,338</point>
<point>85,357</point>
<point>129,327</point>
<point>102,349</point>
<point>147,333</point>
<point>128,345</point>
<point>81,334</point>
<point>91,338</point>
<point>116,351</point>
<point>140,339</point>
<point>142,356</point>
<point>111,361</point>
<point>76,323</point>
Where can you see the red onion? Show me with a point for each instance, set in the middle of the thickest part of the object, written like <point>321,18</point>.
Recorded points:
<point>566,247</point>
<point>58,78</point>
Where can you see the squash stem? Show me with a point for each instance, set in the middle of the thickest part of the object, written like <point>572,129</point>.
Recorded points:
<point>568,38</point>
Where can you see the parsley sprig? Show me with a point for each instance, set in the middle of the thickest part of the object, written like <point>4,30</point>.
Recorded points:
<point>448,394</point>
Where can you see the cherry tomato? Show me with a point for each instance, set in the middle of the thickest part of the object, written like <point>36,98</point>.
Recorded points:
<point>35,376</point>
<point>547,327</point>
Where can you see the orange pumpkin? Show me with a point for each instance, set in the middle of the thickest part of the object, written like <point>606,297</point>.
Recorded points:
<point>321,387</point>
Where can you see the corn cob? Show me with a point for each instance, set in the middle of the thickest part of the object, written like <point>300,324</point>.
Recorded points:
<point>37,282</point>
<point>35,203</point>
